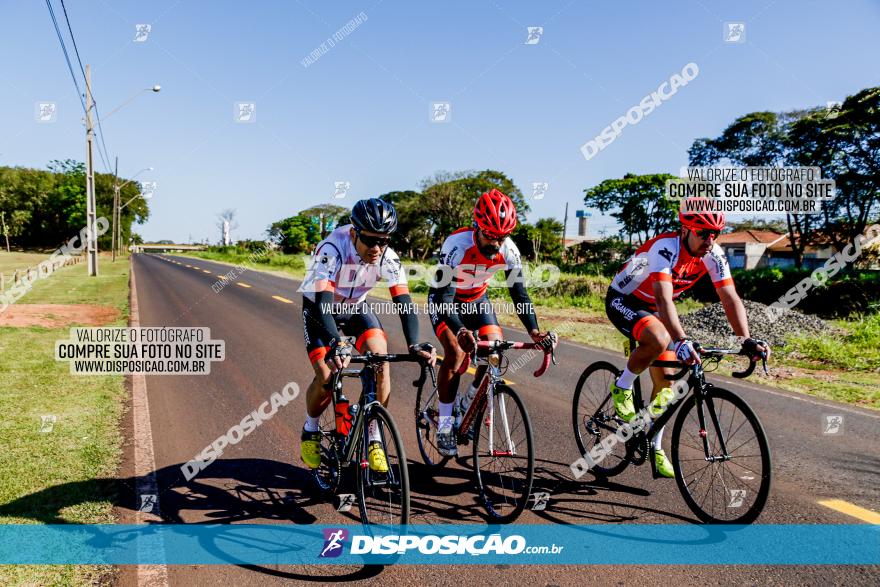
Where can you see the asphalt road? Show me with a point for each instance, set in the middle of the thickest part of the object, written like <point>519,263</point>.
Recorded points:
<point>261,480</point>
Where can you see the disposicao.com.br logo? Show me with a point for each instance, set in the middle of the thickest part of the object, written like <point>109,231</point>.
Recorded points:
<point>394,544</point>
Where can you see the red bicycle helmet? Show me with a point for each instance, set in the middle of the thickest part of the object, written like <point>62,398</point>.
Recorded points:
<point>697,214</point>
<point>495,214</point>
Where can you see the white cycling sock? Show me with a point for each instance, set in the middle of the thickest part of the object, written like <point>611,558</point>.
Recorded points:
<point>374,431</point>
<point>627,378</point>
<point>446,419</point>
<point>311,424</point>
<point>658,439</point>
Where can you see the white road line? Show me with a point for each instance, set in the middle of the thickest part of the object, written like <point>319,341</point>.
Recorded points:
<point>144,458</point>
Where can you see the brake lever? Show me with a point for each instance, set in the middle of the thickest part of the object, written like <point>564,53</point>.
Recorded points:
<point>764,363</point>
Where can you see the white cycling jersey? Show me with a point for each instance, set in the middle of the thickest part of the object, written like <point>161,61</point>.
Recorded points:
<point>337,267</point>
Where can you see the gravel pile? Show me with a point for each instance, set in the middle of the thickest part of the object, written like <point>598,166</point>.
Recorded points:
<point>709,325</point>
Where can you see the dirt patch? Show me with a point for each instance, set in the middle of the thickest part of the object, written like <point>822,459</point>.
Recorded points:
<point>57,315</point>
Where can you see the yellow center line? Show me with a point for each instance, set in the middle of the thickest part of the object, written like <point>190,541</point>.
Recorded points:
<point>850,509</point>
<point>240,284</point>
<point>280,299</point>
<point>223,277</point>
<point>206,271</point>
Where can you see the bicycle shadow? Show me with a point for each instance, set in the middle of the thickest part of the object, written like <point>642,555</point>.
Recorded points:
<point>229,491</point>
<point>568,496</point>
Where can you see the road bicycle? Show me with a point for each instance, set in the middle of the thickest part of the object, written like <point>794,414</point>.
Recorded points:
<point>498,424</point>
<point>383,498</point>
<point>720,453</point>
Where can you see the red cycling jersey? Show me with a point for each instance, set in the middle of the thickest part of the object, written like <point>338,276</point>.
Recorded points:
<point>664,259</point>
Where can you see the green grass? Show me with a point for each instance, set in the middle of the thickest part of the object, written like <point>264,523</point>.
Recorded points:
<point>9,262</point>
<point>288,265</point>
<point>858,349</point>
<point>66,475</point>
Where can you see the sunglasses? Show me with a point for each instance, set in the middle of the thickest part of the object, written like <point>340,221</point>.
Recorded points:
<point>374,241</point>
<point>493,236</point>
<point>706,233</point>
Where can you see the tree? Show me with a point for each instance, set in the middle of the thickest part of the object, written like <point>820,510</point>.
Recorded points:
<point>639,202</point>
<point>226,223</point>
<point>297,234</point>
<point>449,198</point>
<point>845,144</point>
<point>328,215</point>
<point>414,235</point>
<point>757,224</point>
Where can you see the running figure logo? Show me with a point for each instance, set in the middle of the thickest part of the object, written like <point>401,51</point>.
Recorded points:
<point>737,496</point>
<point>833,424</point>
<point>734,32</point>
<point>333,540</point>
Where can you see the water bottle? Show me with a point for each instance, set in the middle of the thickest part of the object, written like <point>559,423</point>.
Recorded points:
<point>343,416</point>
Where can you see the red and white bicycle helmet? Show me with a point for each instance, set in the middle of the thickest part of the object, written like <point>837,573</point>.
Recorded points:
<point>697,214</point>
<point>495,214</point>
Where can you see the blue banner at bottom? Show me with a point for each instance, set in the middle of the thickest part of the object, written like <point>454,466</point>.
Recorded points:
<point>518,544</point>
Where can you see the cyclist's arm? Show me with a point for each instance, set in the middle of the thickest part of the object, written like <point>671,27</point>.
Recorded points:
<point>734,309</point>
<point>407,310</point>
<point>442,298</point>
<point>324,302</point>
<point>666,308</point>
<point>525,310</point>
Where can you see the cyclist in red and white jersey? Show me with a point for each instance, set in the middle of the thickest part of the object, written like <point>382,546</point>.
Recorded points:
<point>640,303</point>
<point>468,260</point>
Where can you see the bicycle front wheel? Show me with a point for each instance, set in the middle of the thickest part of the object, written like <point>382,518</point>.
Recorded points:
<point>594,419</point>
<point>730,483</point>
<point>383,495</point>
<point>504,457</point>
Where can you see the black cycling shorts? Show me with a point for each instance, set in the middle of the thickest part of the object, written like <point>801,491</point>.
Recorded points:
<point>628,313</point>
<point>361,324</point>
<point>476,315</point>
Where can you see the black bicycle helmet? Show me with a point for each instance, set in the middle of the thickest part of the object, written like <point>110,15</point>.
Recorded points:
<point>374,215</point>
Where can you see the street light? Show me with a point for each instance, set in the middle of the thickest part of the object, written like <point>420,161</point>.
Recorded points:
<point>117,209</point>
<point>91,205</point>
<point>157,88</point>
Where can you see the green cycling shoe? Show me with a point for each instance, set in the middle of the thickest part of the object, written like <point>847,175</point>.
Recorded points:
<point>662,466</point>
<point>623,402</point>
<point>659,404</point>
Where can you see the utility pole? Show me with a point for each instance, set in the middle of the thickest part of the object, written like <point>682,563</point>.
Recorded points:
<point>564,228</point>
<point>115,206</point>
<point>91,217</point>
<point>6,234</point>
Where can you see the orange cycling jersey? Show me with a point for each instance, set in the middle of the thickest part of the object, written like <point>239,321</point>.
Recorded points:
<point>663,258</point>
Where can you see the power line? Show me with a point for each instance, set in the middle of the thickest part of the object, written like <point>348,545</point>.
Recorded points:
<point>66,56</point>
<point>102,147</point>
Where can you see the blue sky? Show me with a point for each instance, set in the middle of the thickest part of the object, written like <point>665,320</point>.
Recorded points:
<point>360,113</point>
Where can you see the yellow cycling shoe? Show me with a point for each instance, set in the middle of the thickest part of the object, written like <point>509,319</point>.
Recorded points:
<point>662,466</point>
<point>623,402</point>
<point>310,449</point>
<point>659,404</point>
<point>377,457</point>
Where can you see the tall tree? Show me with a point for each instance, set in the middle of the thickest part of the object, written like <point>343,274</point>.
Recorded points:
<point>638,202</point>
<point>328,216</point>
<point>845,144</point>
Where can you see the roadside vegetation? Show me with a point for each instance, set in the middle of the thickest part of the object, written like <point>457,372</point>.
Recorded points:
<point>60,435</point>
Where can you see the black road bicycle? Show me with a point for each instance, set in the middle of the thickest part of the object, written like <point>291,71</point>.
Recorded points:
<point>383,497</point>
<point>498,424</point>
<point>720,453</point>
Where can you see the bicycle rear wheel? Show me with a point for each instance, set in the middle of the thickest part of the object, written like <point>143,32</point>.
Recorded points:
<point>427,421</point>
<point>504,473</point>
<point>734,488</point>
<point>594,419</point>
<point>383,496</point>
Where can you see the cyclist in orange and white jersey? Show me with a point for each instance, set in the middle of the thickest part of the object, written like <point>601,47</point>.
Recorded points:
<point>640,303</point>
